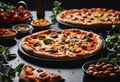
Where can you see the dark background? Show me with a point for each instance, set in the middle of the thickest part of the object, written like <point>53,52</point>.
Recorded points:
<point>70,4</point>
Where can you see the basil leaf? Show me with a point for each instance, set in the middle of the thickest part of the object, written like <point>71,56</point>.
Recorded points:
<point>11,56</point>
<point>71,49</point>
<point>41,38</point>
<point>7,51</point>
<point>104,59</point>
<point>54,35</point>
<point>11,72</point>
<point>2,48</point>
<point>48,41</point>
<point>64,38</point>
<point>74,40</point>
<point>114,60</point>
<point>6,78</point>
<point>79,44</point>
<point>19,67</point>
<point>56,9</point>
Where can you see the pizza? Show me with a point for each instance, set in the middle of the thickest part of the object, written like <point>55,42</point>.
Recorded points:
<point>31,74</point>
<point>69,43</point>
<point>90,17</point>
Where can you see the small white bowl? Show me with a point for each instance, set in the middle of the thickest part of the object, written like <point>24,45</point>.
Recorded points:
<point>22,28</point>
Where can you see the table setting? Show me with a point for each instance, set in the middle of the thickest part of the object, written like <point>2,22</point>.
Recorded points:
<point>59,45</point>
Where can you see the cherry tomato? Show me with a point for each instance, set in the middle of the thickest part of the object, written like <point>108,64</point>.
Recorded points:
<point>21,7</point>
<point>16,17</point>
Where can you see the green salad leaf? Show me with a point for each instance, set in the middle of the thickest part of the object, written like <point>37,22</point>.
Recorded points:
<point>57,9</point>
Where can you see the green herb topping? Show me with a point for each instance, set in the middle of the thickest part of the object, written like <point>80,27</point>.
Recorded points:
<point>48,41</point>
<point>64,38</point>
<point>54,35</point>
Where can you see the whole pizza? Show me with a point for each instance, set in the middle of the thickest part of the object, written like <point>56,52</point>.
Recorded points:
<point>90,17</point>
<point>69,43</point>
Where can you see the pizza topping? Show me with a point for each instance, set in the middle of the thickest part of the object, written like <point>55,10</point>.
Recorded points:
<point>39,70</point>
<point>118,17</point>
<point>64,38</point>
<point>30,79</point>
<point>90,35</point>
<point>48,41</point>
<point>100,14</point>
<point>84,46</point>
<point>51,49</point>
<point>63,47</point>
<point>29,71</point>
<point>86,38</point>
<point>74,40</point>
<point>41,38</point>
<point>79,44</point>
<point>71,49</point>
<point>43,74</point>
<point>77,50</point>
<point>54,35</point>
<point>37,44</point>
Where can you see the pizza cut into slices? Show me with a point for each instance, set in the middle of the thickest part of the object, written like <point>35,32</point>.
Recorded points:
<point>90,17</point>
<point>31,74</point>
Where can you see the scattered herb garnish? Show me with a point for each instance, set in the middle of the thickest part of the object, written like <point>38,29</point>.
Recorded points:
<point>113,44</point>
<point>7,77</point>
<point>57,9</point>
<point>5,54</point>
<point>48,41</point>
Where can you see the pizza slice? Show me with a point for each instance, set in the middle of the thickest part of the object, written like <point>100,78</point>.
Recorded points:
<point>31,74</point>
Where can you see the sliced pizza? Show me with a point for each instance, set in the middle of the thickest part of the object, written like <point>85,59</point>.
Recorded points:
<point>31,74</point>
